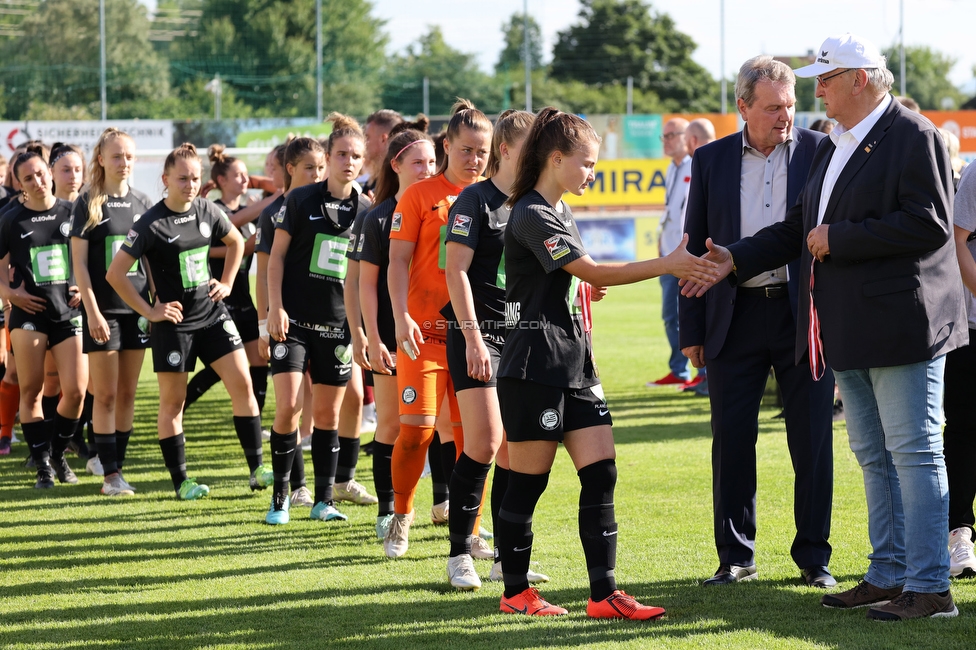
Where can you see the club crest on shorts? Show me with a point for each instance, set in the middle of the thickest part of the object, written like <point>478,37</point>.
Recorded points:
<point>557,247</point>
<point>28,327</point>
<point>64,228</point>
<point>397,221</point>
<point>75,322</point>
<point>280,351</point>
<point>343,353</point>
<point>143,324</point>
<point>409,395</point>
<point>549,419</point>
<point>174,358</point>
<point>231,327</point>
<point>205,228</point>
<point>462,225</point>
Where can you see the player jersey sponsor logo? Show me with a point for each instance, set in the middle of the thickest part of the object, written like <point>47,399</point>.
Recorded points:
<point>280,351</point>
<point>461,225</point>
<point>329,256</point>
<point>47,217</point>
<point>512,313</point>
<point>409,395</point>
<point>131,238</point>
<point>194,270</point>
<point>174,358</point>
<point>337,206</point>
<point>113,243</point>
<point>557,247</point>
<point>186,219</point>
<point>117,204</point>
<point>397,222</point>
<point>50,263</point>
<point>549,419</point>
<point>205,228</point>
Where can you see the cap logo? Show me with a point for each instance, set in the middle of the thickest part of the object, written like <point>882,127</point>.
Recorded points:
<point>823,53</point>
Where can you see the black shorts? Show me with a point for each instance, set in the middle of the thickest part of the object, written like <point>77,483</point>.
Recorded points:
<point>177,350</point>
<point>56,331</point>
<point>126,332</point>
<point>246,320</point>
<point>534,411</point>
<point>457,361</point>
<point>326,352</point>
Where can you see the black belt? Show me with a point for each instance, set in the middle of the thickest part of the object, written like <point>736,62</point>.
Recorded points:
<point>769,291</point>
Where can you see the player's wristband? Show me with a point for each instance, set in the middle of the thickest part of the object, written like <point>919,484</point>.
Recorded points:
<point>263,328</point>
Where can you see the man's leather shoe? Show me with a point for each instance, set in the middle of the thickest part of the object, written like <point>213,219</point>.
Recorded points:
<point>818,576</point>
<point>729,573</point>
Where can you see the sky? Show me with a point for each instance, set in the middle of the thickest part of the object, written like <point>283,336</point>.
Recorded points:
<point>751,26</point>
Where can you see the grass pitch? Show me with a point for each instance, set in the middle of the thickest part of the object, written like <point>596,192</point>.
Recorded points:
<point>81,570</point>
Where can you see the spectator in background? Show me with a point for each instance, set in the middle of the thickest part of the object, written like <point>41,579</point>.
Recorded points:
<point>700,132</point>
<point>909,103</point>
<point>377,132</point>
<point>739,184</point>
<point>959,434</point>
<point>669,237</point>
<point>822,126</point>
<point>957,163</point>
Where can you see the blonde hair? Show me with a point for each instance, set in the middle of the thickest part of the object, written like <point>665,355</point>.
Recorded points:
<point>96,177</point>
<point>511,126</point>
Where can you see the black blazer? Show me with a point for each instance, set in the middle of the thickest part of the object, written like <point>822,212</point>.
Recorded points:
<point>890,291</point>
<point>714,211</point>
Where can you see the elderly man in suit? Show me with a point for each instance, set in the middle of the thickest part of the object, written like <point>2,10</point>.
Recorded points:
<point>740,184</point>
<point>882,302</point>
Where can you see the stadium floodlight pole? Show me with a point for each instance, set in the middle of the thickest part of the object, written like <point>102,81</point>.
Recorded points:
<point>528,60</point>
<point>318,60</point>
<point>721,63</point>
<point>101,38</point>
<point>901,47</point>
<point>630,95</point>
<point>426,95</point>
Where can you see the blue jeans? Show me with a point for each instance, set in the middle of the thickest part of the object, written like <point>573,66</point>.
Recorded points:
<point>894,422</point>
<point>678,363</point>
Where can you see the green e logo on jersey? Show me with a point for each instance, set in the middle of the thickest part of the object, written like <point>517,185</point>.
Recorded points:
<point>500,274</point>
<point>193,267</point>
<point>442,251</point>
<point>329,256</point>
<point>112,245</point>
<point>50,263</point>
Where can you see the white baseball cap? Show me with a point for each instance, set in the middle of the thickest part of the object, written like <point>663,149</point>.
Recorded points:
<point>847,51</point>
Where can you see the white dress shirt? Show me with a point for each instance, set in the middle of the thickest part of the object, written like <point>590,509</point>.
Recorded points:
<point>762,197</point>
<point>676,184</point>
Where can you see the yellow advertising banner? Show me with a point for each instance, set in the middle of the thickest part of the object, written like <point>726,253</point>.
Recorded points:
<point>624,182</point>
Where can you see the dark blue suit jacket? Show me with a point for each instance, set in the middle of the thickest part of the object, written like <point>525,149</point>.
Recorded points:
<point>890,291</point>
<point>714,211</point>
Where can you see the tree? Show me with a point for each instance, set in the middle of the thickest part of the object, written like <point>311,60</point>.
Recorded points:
<point>450,73</point>
<point>926,76</point>
<point>55,60</point>
<point>513,54</point>
<point>616,39</point>
<point>265,51</point>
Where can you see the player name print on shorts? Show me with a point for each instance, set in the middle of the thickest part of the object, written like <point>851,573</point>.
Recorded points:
<point>462,225</point>
<point>549,419</point>
<point>174,358</point>
<point>557,247</point>
<point>409,395</point>
<point>280,351</point>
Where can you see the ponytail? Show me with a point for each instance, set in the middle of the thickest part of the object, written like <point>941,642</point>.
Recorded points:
<point>552,131</point>
<point>342,126</point>
<point>185,151</point>
<point>463,115</point>
<point>510,127</point>
<point>219,162</point>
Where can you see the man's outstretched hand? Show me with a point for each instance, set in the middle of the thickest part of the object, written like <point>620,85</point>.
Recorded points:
<point>723,260</point>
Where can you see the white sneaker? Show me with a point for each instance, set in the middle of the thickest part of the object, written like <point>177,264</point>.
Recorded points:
<point>354,492</point>
<point>94,467</point>
<point>383,525</point>
<point>480,549</point>
<point>461,573</point>
<point>128,485</point>
<point>440,512</point>
<point>302,497</point>
<point>265,435</point>
<point>307,443</point>
<point>368,423</point>
<point>532,577</point>
<point>962,560</point>
<point>395,543</point>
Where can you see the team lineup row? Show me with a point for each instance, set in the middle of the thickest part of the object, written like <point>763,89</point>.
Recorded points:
<point>410,276</point>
